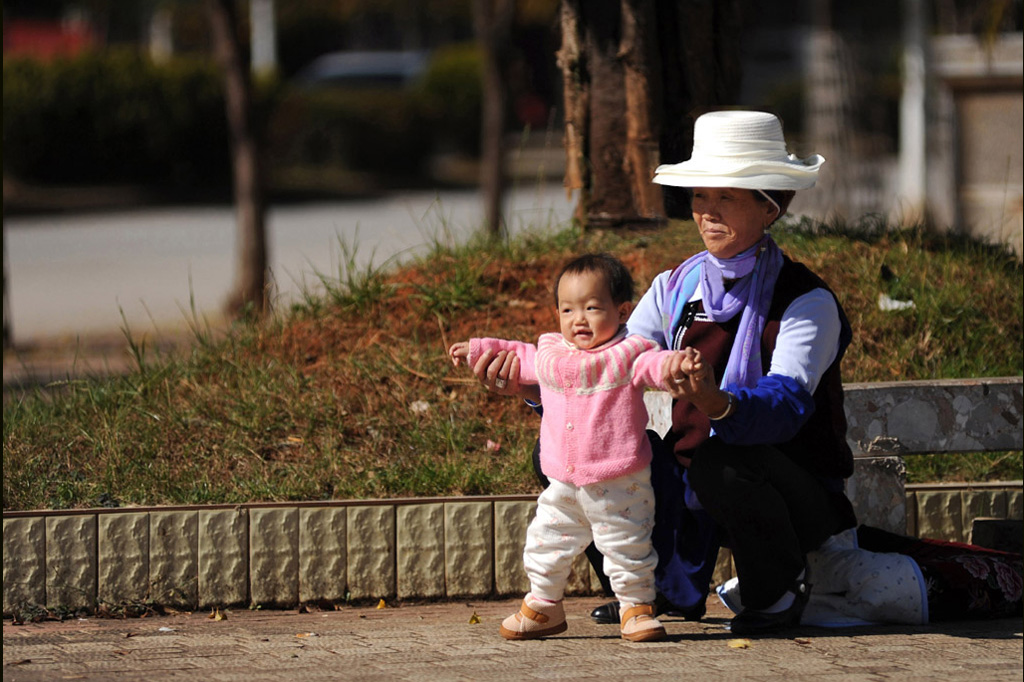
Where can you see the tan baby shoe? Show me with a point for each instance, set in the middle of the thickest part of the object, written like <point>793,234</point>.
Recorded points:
<point>640,625</point>
<point>534,619</point>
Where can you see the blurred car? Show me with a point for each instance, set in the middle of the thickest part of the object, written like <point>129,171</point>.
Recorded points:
<point>364,70</point>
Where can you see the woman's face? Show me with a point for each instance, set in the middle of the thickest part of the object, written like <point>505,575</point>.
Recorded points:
<point>730,220</point>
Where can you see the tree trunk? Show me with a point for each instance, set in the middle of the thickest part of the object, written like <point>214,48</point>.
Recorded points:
<point>635,74</point>
<point>493,23</point>
<point>250,289</point>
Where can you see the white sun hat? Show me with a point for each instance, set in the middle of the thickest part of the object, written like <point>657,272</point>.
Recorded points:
<point>742,149</point>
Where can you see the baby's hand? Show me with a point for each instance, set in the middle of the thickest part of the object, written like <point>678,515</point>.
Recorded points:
<point>686,373</point>
<point>459,352</point>
<point>693,363</point>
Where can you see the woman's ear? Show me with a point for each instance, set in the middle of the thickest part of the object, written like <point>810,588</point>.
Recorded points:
<point>625,308</point>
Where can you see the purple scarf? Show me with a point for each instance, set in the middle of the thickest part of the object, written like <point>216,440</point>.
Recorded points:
<point>754,273</point>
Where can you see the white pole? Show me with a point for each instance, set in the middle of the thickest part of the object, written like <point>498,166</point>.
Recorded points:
<point>913,120</point>
<point>264,36</point>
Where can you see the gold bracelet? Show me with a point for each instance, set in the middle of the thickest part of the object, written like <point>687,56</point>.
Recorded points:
<point>728,408</point>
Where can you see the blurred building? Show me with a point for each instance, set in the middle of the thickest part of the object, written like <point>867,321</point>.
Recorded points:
<point>916,104</point>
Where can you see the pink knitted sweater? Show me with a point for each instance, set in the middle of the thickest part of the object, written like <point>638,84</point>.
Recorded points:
<point>593,427</point>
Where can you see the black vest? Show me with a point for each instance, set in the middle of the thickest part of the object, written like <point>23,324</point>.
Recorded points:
<point>820,446</point>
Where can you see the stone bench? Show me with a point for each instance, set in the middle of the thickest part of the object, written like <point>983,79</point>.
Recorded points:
<point>285,554</point>
<point>888,421</point>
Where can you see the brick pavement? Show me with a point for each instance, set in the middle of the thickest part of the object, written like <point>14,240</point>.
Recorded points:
<point>438,641</point>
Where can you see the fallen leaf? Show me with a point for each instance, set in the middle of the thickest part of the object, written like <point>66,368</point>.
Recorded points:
<point>474,619</point>
<point>382,604</point>
<point>217,614</point>
<point>739,644</point>
<point>306,634</point>
<point>801,640</point>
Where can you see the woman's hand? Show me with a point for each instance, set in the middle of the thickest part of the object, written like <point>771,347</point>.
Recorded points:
<point>499,373</point>
<point>688,377</point>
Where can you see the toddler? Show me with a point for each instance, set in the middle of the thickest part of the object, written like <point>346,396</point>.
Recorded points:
<point>593,447</point>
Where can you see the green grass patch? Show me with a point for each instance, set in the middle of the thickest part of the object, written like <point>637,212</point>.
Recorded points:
<point>349,393</point>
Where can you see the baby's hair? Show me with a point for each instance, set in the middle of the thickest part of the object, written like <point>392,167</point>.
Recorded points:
<point>616,274</point>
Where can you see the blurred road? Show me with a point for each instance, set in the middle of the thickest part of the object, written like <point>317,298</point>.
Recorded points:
<point>73,276</point>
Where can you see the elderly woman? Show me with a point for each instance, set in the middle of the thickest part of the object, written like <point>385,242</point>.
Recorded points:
<point>756,456</point>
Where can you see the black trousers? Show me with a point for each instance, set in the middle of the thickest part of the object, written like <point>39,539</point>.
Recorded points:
<point>770,510</point>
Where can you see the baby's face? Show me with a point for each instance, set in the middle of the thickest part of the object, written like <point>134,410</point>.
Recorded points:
<point>587,315</point>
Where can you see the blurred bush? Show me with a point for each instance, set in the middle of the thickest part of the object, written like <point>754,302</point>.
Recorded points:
<point>452,91</point>
<point>377,132</point>
<point>117,117</point>
<point>114,117</point>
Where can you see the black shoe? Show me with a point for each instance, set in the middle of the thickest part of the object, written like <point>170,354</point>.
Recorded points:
<point>663,607</point>
<point>606,614</point>
<point>751,622</point>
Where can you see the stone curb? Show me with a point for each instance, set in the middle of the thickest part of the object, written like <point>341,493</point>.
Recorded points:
<point>281,555</point>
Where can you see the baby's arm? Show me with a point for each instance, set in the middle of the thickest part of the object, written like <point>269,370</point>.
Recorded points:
<point>470,351</point>
<point>670,369</point>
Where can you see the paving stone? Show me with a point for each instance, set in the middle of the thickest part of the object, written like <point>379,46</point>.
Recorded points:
<point>420,550</point>
<point>274,556</point>
<point>174,558</point>
<point>724,567</point>
<point>984,503</point>
<point>459,641</point>
<point>123,557</point>
<point>223,557</point>
<point>24,563</point>
<point>912,513</point>
<point>511,519</point>
<point>876,490</point>
<point>71,561</point>
<point>1015,504</point>
<point>469,548</point>
<point>371,551</point>
<point>939,515</point>
<point>323,555</point>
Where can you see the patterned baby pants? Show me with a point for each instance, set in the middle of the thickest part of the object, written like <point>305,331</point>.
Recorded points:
<point>617,514</point>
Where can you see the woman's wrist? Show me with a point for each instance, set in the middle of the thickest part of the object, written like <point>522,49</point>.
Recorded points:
<point>722,412</point>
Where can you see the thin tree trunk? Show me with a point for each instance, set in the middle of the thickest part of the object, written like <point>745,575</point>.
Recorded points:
<point>251,278</point>
<point>493,21</point>
<point>576,98</point>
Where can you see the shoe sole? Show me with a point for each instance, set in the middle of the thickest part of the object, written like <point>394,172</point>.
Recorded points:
<point>533,634</point>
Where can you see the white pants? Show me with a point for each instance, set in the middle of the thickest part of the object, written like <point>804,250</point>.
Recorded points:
<point>617,515</point>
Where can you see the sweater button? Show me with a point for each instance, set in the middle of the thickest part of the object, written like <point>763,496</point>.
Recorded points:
<point>568,426</point>
<point>570,469</point>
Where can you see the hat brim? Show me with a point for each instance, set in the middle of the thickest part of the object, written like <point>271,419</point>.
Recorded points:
<point>793,174</point>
